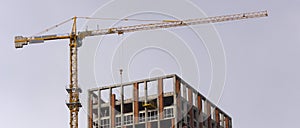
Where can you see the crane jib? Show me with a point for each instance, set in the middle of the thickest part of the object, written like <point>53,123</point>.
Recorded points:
<point>20,41</point>
<point>172,23</point>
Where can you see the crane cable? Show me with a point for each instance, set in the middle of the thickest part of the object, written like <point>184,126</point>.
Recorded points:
<point>124,19</point>
<point>53,27</point>
<point>92,18</point>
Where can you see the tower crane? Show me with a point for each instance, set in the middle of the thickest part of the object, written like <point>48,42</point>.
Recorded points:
<point>76,38</point>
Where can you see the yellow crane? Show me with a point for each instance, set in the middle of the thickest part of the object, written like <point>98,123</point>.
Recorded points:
<point>77,37</point>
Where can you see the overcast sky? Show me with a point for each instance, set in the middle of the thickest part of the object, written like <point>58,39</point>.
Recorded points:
<point>262,78</point>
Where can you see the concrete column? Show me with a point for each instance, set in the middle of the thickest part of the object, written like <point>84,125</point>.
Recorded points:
<point>184,108</point>
<point>208,110</point>
<point>90,113</point>
<point>226,122</point>
<point>146,100</point>
<point>200,116</point>
<point>148,124</point>
<point>160,99</point>
<point>173,123</point>
<point>217,117</point>
<point>135,103</point>
<point>191,110</point>
<point>178,100</point>
<point>122,105</point>
<point>99,108</point>
<point>112,110</point>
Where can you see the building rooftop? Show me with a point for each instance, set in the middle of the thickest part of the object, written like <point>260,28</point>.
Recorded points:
<point>160,102</point>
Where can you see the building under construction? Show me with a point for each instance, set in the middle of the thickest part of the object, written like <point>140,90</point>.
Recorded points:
<point>161,102</point>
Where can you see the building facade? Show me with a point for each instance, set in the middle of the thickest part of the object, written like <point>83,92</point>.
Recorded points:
<point>161,102</point>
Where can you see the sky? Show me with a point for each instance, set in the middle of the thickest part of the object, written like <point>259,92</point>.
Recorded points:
<point>262,67</point>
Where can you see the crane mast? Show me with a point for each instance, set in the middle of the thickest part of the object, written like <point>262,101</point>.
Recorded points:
<point>74,103</point>
<point>76,37</point>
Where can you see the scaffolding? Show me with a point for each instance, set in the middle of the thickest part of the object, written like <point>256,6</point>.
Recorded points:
<point>161,102</point>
